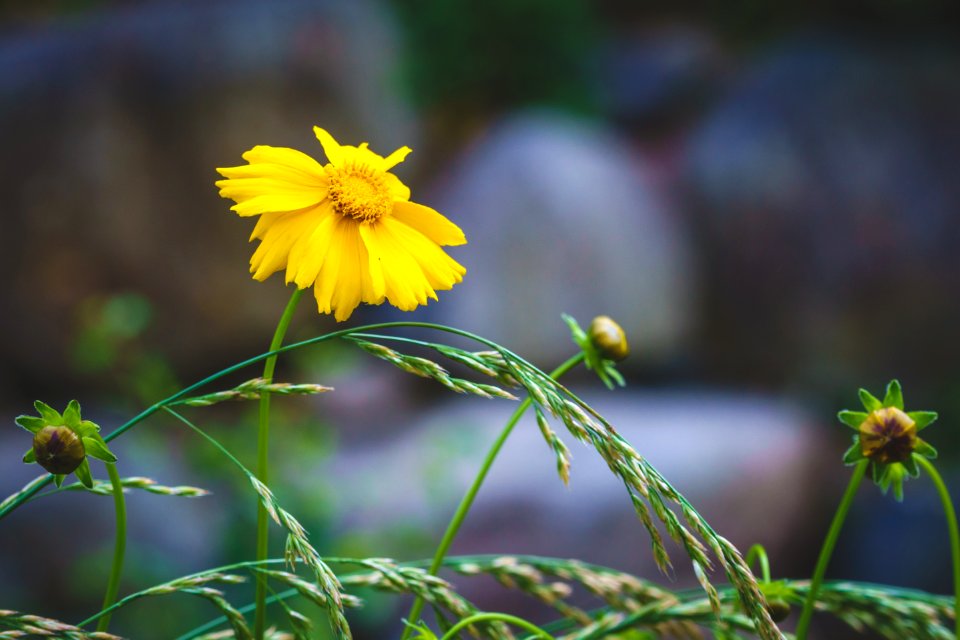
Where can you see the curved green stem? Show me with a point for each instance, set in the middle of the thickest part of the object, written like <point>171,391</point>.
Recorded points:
<point>827,549</point>
<point>17,499</point>
<point>951,515</point>
<point>484,617</point>
<point>263,463</point>
<point>119,547</point>
<point>468,498</point>
<point>758,552</point>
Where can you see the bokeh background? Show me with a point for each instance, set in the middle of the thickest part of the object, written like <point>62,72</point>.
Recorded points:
<point>765,195</point>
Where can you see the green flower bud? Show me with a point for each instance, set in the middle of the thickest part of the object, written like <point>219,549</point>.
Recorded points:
<point>778,610</point>
<point>59,450</point>
<point>608,338</point>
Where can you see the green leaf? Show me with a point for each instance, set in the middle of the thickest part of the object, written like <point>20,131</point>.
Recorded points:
<point>923,418</point>
<point>854,454</point>
<point>30,456</point>
<point>870,403</point>
<point>894,395</point>
<point>910,466</point>
<point>579,337</point>
<point>97,448</point>
<point>876,472</point>
<point>925,449</point>
<point>48,413</point>
<point>30,423</point>
<point>71,415</point>
<point>83,474</point>
<point>58,479</point>
<point>852,419</point>
<point>87,428</point>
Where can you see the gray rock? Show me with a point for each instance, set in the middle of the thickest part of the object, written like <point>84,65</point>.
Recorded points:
<point>559,218</point>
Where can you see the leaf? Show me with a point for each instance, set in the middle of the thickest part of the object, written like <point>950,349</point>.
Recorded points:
<point>83,474</point>
<point>923,418</point>
<point>894,395</point>
<point>910,466</point>
<point>30,456</point>
<point>870,402</point>
<point>97,448</point>
<point>30,423</point>
<point>71,415</point>
<point>854,454</point>
<point>852,419</point>
<point>925,449</point>
<point>58,479</point>
<point>48,413</point>
<point>88,428</point>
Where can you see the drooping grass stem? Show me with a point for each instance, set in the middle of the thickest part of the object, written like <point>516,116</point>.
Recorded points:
<point>470,496</point>
<point>951,515</point>
<point>263,463</point>
<point>827,549</point>
<point>119,545</point>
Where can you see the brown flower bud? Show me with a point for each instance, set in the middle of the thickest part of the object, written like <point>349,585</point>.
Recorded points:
<point>608,338</point>
<point>888,435</point>
<point>58,449</point>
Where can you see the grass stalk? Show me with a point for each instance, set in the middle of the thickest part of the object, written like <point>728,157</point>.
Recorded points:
<point>951,515</point>
<point>119,546</point>
<point>470,496</point>
<point>827,549</point>
<point>263,463</point>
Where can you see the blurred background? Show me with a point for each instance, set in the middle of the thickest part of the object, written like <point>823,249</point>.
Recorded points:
<point>765,195</point>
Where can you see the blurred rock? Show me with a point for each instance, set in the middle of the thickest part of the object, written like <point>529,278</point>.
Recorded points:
<point>741,461</point>
<point>559,219</point>
<point>825,196</point>
<point>113,123</point>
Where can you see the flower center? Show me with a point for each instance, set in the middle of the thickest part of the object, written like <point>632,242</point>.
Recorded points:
<point>888,435</point>
<point>358,192</point>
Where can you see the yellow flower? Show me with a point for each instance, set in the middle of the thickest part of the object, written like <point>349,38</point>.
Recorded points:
<point>347,228</point>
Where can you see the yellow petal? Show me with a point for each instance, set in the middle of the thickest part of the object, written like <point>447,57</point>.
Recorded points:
<point>310,250</point>
<point>440,270</point>
<point>328,279</point>
<point>278,240</point>
<point>277,179</point>
<point>396,158</point>
<point>406,285</point>
<point>331,147</point>
<point>429,222</point>
<point>375,264</point>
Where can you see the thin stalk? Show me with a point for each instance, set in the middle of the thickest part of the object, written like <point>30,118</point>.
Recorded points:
<point>484,617</point>
<point>951,515</point>
<point>758,552</point>
<point>827,549</point>
<point>14,501</point>
<point>468,498</point>
<point>119,545</point>
<point>263,463</point>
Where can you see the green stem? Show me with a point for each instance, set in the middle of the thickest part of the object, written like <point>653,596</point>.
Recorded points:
<point>951,515</point>
<point>758,552</point>
<point>119,547</point>
<point>483,617</point>
<point>263,463</point>
<point>827,549</point>
<point>467,501</point>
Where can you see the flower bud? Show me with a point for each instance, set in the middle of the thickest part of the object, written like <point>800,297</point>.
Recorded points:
<point>778,609</point>
<point>608,338</point>
<point>58,449</point>
<point>888,435</point>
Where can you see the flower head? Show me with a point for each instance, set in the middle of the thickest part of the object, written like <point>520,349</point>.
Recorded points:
<point>347,228</point>
<point>887,437</point>
<point>62,442</point>
<point>603,345</point>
